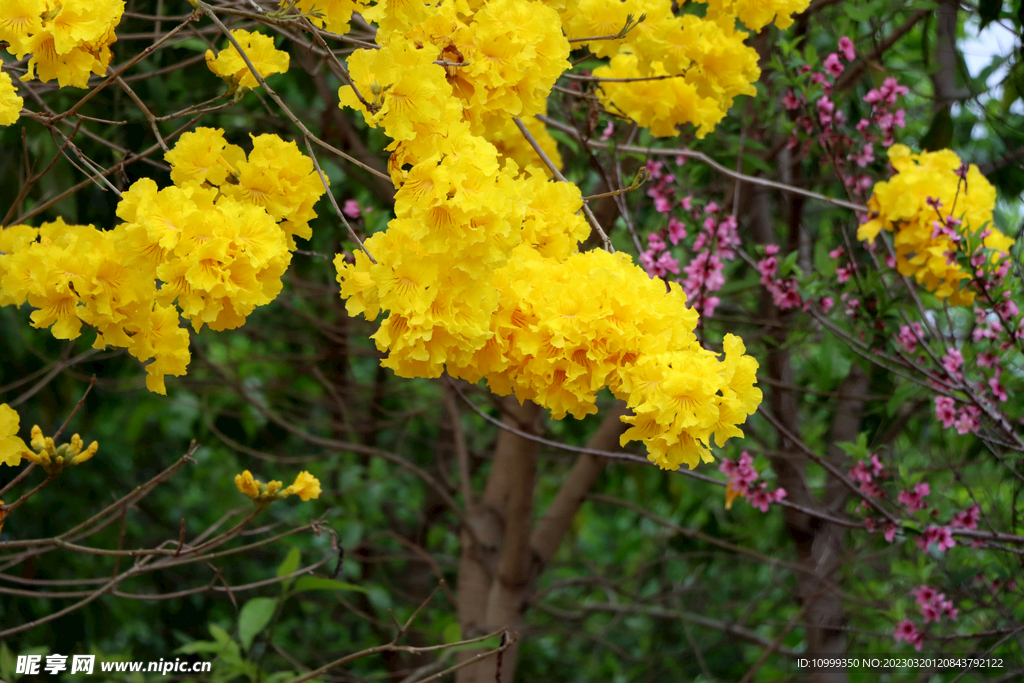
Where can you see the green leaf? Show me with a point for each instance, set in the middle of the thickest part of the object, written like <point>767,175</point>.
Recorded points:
<point>7,664</point>
<point>254,617</point>
<point>290,565</point>
<point>452,633</point>
<point>200,647</point>
<point>316,583</point>
<point>988,11</point>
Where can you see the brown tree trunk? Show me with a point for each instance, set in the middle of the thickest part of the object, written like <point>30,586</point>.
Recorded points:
<point>502,554</point>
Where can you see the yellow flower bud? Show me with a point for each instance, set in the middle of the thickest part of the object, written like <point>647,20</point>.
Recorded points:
<point>247,485</point>
<point>89,452</point>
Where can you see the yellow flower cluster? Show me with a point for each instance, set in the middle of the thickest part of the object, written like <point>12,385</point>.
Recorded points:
<point>47,454</point>
<point>334,15</point>
<point>54,458</point>
<point>68,39</point>
<point>306,487</point>
<point>707,55</point>
<point>217,242</point>
<point>480,272</point>
<point>929,203</point>
<point>756,14</point>
<point>12,448</point>
<point>10,103</point>
<point>229,65</point>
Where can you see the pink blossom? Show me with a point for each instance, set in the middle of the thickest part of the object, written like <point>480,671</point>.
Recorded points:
<point>843,273</point>
<point>654,168</point>
<point>945,410</point>
<point>909,335</point>
<point>968,519</point>
<point>997,389</point>
<point>866,156</point>
<point>953,361</point>
<point>656,242</point>
<point>833,66</point>
<point>609,130</point>
<point>768,267</point>
<point>826,304</point>
<point>676,230</point>
<point>967,421</point>
<point>668,264</point>
<point>876,465</point>
<point>351,209</point>
<point>791,101</point>
<point>930,612</point>
<point>939,535</point>
<point>924,594</point>
<point>712,207</point>
<point>846,47</point>
<point>686,202</point>
<point>825,110</point>
<point>662,204</point>
<point>861,472</point>
<point>890,532</point>
<point>647,261</point>
<point>906,631</point>
<point>987,360</point>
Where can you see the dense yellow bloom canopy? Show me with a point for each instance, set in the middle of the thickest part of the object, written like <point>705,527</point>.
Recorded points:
<point>922,204</point>
<point>259,48</point>
<point>480,274</point>
<point>210,249</point>
<point>68,40</point>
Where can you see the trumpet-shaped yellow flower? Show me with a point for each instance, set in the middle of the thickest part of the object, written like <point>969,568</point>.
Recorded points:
<point>68,41</point>
<point>12,448</point>
<point>229,64</point>
<point>10,103</point>
<point>306,487</point>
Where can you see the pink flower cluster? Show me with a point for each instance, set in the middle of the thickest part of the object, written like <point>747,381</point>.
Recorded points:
<point>742,476</point>
<point>967,420</point>
<point>715,243</point>
<point>914,500</point>
<point>855,147</point>
<point>905,630</point>
<point>785,293</point>
<point>940,535</point>
<point>881,100</point>
<point>909,335</point>
<point>865,472</point>
<point>934,604</point>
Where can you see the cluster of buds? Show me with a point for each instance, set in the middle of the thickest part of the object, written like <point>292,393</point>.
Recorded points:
<point>54,458</point>
<point>306,486</point>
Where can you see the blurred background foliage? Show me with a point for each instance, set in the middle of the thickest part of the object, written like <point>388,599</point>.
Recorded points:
<point>656,580</point>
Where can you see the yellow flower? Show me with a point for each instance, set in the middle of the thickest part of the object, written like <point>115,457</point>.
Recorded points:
<point>203,155</point>
<point>247,485</point>
<point>926,204</point>
<point>10,103</point>
<point>305,487</point>
<point>229,65</point>
<point>12,448</point>
<point>54,458</point>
